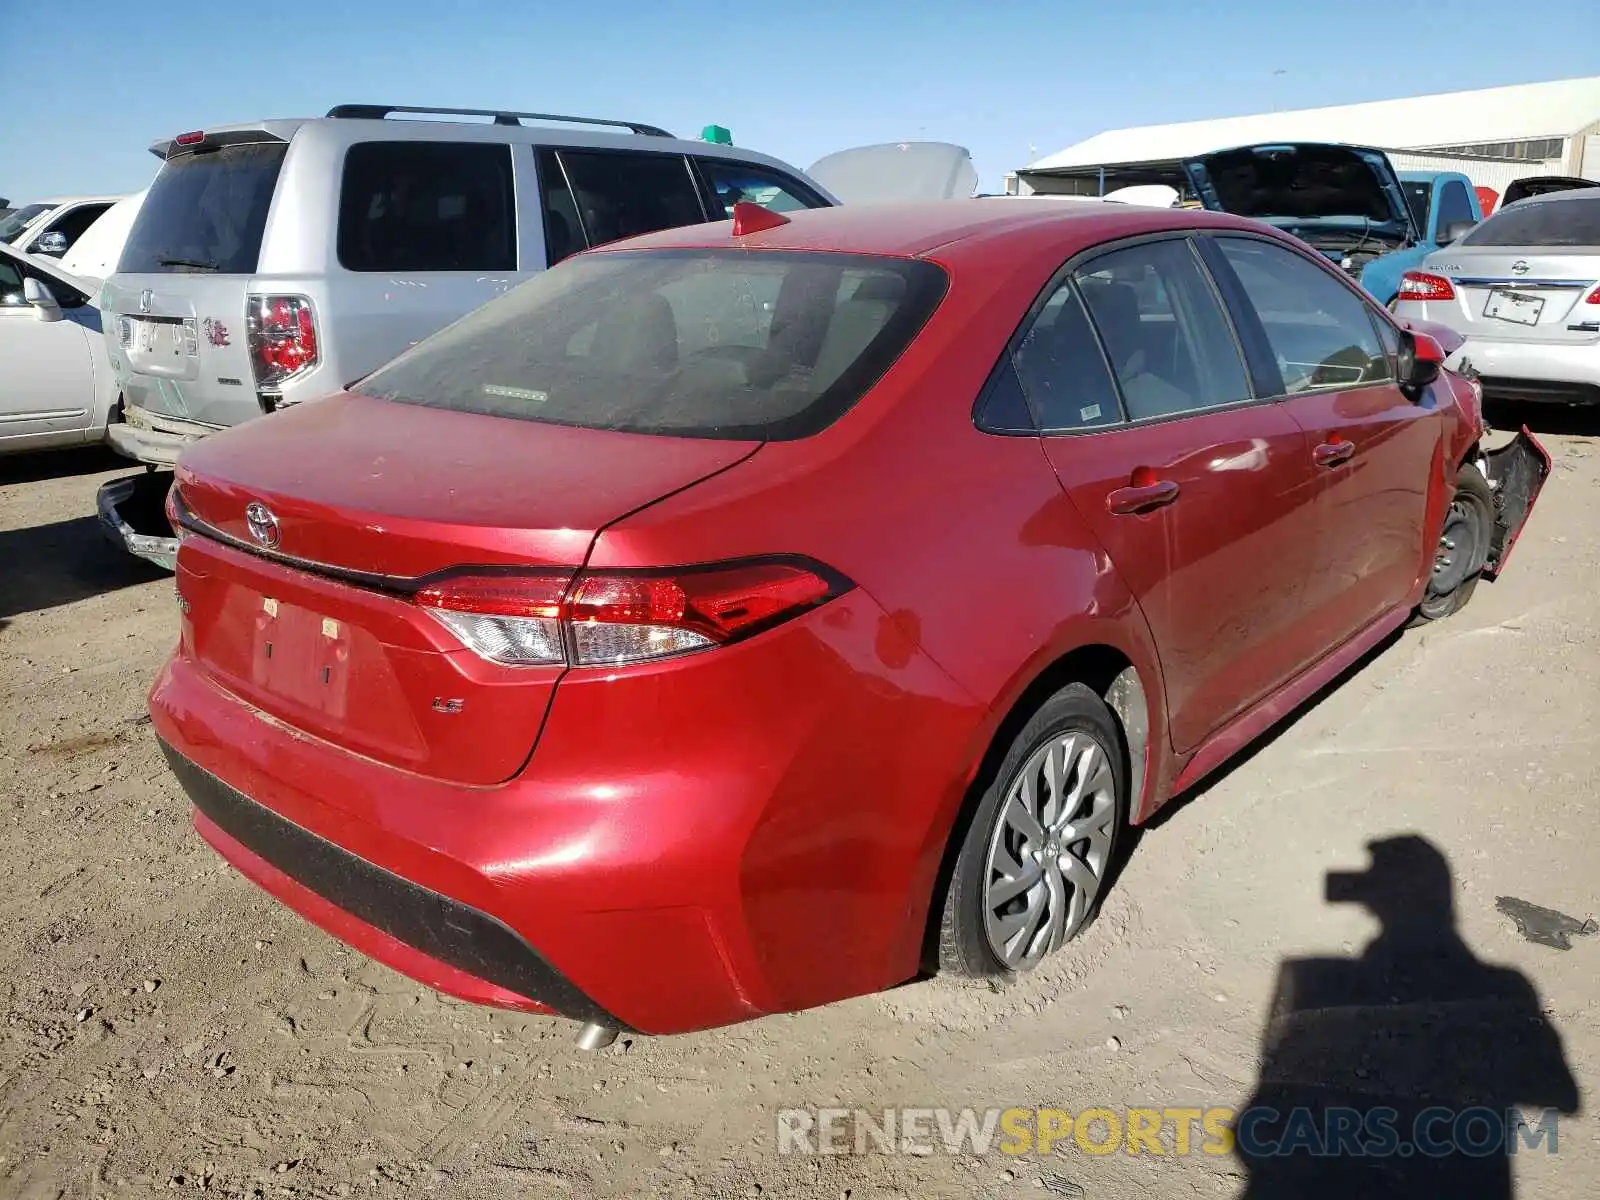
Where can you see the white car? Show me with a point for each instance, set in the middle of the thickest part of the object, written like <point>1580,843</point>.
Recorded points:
<point>56,386</point>
<point>49,228</point>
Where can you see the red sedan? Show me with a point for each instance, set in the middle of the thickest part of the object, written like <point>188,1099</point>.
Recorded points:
<point>747,616</point>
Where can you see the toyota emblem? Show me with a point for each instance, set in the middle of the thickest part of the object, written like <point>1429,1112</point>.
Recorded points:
<point>146,299</point>
<point>1520,267</point>
<point>263,525</point>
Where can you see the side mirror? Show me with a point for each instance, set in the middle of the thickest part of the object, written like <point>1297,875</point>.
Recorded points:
<point>1454,230</point>
<point>1421,360</point>
<point>44,302</point>
<point>53,243</point>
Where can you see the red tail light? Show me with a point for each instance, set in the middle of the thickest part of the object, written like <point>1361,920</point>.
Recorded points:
<point>1593,297</point>
<point>1419,285</point>
<point>607,618</point>
<point>283,338</point>
<point>190,139</point>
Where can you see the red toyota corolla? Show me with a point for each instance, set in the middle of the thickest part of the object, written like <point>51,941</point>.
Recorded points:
<point>748,616</point>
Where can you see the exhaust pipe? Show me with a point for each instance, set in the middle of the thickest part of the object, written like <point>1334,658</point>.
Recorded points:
<point>595,1036</point>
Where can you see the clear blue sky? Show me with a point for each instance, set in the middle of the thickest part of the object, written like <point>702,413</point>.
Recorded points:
<point>85,89</point>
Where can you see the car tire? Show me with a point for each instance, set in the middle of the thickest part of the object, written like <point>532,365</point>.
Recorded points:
<point>1463,548</point>
<point>1034,861</point>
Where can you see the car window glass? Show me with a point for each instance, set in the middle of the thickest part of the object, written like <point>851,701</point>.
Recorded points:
<point>1320,331</point>
<point>19,219</point>
<point>620,194</point>
<point>1454,207</point>
<point>1061,369</point>
<point>72,225</point>
<point>1564,222</point>
<point>622,341</point>
<point>10,282</point>
<point>733,182</point>
<point>427,206</point>
<point>1389,336</point>
<point>563,232</point>
<point>1163,329</point>
<point>206,212</point>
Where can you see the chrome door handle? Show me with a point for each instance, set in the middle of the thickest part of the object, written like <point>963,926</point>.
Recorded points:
<point>1331,454</point>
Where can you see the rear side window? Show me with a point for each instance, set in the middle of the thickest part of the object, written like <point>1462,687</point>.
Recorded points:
<point>206,211</point>
<point>1320,332</point>
<point>707,343</point>
<point>732,182</point>
<point>1062,372</point>
<point>600,196</point>
<point>427,206</point>
<point>1566,222</point>
<point>1163,329</point>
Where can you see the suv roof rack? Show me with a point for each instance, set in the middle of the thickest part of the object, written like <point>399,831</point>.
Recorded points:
<point>377,112</point>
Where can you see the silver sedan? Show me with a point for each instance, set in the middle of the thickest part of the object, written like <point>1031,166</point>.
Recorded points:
<point>1523,288</point>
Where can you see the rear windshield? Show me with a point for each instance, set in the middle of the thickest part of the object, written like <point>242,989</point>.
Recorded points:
<point>1564,222</point>
<point>205,212</point>
<point>719,343</point>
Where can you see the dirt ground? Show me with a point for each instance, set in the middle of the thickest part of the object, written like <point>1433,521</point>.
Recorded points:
<point>168,1027</point>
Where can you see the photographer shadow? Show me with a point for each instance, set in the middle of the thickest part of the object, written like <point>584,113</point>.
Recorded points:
<point>1414,1070</point>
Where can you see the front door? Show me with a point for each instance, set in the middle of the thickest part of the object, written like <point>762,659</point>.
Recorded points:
<point>1372,446</point>
<point>1201,496</point>
<point>46,370</point>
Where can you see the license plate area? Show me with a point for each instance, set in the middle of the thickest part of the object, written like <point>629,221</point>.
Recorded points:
<point>1519,308</point>
<point>158,339</point>
<point>302,657</point>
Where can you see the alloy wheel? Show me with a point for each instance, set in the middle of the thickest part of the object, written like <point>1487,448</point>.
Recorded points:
<point>1050,849</point>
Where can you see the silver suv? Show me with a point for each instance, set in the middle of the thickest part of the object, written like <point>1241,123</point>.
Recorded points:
<point>282,260</point>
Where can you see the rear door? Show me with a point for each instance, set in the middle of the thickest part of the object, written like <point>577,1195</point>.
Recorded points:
<point>1200,494</point>
<point>1526,273</point>
<point>175,309</point>
<point>1319,344</point>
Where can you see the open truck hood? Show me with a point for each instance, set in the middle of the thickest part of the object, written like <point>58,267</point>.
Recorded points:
<point>1306,186</point>
<point>898,171</point>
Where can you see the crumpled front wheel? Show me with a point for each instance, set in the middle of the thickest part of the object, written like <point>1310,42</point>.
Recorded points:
<point>1463,549</point>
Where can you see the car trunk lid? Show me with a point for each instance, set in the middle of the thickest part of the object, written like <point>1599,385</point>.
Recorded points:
<point>897,172</point>
<point>360,498</point>
<point>1521,295</point>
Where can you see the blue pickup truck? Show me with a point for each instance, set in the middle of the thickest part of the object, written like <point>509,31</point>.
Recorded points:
<point>1346,201</point>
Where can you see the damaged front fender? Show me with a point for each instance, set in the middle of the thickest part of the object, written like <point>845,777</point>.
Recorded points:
<point>1516,473</point>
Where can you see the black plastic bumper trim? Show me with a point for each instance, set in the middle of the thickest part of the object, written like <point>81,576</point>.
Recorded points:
<point>444,929</point>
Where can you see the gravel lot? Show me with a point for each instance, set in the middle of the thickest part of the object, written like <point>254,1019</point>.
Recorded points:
<point>169,1027</point>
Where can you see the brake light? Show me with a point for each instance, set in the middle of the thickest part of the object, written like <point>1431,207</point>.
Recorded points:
<point>190,139</point>
<point>1419,285</point>
<point>283,338</point>
<point>1593,297</point>
<point>610,618</point>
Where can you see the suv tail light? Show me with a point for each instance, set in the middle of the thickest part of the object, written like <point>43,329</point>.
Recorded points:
<point>609,618</point>
<point>283,339</point>
<point>1420,285</point>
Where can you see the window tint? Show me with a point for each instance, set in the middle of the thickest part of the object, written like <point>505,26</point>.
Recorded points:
<point>206,212</point>
<point>19,219</point>
<point>713,343</point>
<point>1564,222</point>
<point>1454,206</point>
<point>1165,333</point>
<point>1419,194</point>
<point>1320,332</point>
<point>619,194</point>
<point>732,182</point>
<point>1062,372</point>
<point>427,206</point>
<point>563,232</point>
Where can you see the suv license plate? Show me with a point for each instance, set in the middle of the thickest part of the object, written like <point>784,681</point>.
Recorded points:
<point>1516,307</point>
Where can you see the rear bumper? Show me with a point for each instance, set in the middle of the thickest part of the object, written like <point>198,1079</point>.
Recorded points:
<point>381,913</point>
<point>132,516</point>
<point>150,438</point>
<point>1536,371</point>
<point>754,831</point>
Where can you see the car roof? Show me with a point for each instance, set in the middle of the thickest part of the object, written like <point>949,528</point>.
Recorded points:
<point>1561,197</point>
<point>950,227</point>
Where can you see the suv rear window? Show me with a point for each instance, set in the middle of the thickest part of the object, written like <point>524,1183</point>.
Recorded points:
<point>427,206</point>
<point>706,343</point>
<point>1565,222</point>
<point>206,211</point>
